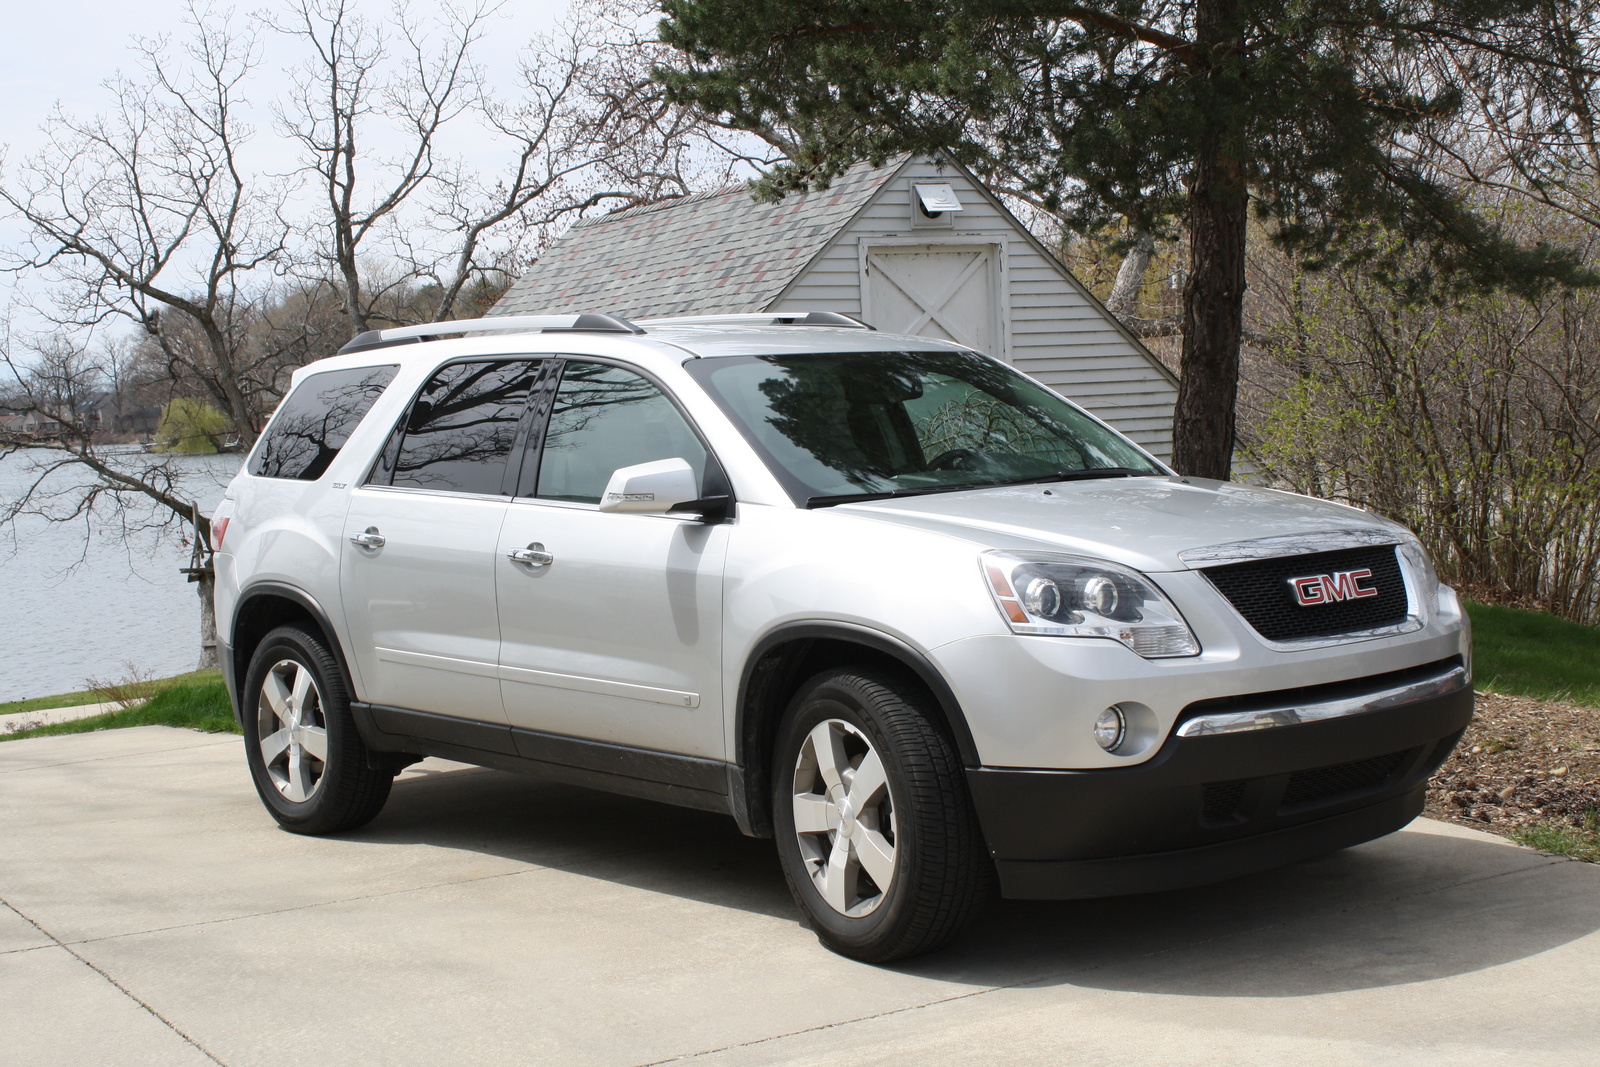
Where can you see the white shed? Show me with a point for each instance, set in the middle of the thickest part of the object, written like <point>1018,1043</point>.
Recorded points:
<point>917,246</point>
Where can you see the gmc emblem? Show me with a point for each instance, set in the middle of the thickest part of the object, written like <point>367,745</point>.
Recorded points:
<point>1331,588</point>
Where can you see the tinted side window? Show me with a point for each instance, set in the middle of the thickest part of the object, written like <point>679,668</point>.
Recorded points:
<point>604,418</point>
<point>462,426</point>
<point>315,420</point>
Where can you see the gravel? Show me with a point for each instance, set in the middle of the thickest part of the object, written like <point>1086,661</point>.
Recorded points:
<point>1522,763</point>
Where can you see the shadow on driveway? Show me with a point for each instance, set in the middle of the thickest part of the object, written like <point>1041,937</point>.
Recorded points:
<point>1410,907</point>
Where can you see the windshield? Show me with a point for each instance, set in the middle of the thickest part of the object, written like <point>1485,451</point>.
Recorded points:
<point>842,426</point>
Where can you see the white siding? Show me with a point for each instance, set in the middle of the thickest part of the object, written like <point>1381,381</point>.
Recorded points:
<point>1052,328</point>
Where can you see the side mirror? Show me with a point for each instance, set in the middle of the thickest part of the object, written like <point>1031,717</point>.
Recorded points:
<point>651,488</point>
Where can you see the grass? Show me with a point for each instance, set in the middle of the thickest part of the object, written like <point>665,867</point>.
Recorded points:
<point>1561,840</point>
<point>194,703</point>
<point>1531,654</point>
<point>89,696</point>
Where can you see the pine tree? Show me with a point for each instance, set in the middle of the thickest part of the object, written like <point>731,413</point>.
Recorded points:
<point>1155,113</point>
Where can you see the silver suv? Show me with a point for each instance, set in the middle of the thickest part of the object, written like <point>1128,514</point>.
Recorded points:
<point>881,598</point>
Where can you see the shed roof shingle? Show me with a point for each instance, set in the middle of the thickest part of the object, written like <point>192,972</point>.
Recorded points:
<point>710,252</point>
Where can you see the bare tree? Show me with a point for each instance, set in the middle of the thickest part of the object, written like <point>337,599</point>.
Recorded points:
<point>145,214</point>
<point>128,493</point>
<point>405,230</point>
<point>591,128</point>
<point>661,147</point>
<point>1527,132</point>
<point>350,80</point>
<point>1474,421</point>
<point>564,145</point>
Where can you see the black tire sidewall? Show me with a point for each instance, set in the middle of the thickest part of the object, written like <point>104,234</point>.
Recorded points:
<point>292,643</point>
<point>830,696</point>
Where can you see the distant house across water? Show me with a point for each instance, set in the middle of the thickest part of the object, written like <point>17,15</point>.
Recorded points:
<point>30,425</point>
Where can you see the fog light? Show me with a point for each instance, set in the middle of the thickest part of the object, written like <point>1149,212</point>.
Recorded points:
<point>1110,728</point>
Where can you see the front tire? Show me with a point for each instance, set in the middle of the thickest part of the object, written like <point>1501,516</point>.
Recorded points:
<point>307,761</point>
<point>874,824</point>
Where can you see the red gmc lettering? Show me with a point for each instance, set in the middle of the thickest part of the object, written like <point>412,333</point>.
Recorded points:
<point>1308,591</point>
<point>1332,588</point>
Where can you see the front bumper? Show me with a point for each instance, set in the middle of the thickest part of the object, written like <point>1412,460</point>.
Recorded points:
<point>1218,805</point>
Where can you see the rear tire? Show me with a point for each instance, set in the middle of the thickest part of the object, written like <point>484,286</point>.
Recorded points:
<point>874,824</point>
<point>306,758</point>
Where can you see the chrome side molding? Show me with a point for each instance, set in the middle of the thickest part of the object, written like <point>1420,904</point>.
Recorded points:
<point>1235,722</point>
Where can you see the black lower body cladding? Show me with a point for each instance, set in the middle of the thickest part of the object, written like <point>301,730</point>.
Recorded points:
<point>229,679</point>
<point>1208,808</point>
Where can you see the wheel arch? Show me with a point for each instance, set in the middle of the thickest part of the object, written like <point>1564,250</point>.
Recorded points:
<point>262,608</point>
<point>785,658</point>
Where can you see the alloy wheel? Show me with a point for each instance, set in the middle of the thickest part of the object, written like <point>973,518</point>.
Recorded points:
<point>844,818</point>
<point>291,730</point>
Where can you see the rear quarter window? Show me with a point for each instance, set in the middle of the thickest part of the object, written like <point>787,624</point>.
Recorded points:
<point>315,420</point>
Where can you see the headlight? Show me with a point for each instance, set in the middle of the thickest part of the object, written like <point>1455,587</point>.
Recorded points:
<point>1416,558</point>
<point>1072,596</point>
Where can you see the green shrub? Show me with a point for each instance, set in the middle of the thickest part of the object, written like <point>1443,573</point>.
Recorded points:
<point>191,425</point>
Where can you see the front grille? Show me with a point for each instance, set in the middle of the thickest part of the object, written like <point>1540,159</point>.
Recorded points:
<point>1324,784</point>
<point>1260,590</point>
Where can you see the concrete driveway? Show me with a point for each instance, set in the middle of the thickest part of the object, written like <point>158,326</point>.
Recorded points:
<point>154,914</point>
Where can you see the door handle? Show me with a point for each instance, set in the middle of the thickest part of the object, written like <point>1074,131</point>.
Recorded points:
<point>532,556</point>
<point>369,538</point>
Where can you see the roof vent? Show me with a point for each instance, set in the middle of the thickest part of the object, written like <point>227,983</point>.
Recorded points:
<point>933,203</point>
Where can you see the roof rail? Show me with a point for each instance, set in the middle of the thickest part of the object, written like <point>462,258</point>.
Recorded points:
<point>764,318</point>
<point>589,322</point>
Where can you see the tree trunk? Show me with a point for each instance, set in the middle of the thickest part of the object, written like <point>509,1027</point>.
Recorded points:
<point>1213,298</point>
<point>352,296</point>
<point>238,406</point>
<point>1124,300</point>
<point>206,586</point>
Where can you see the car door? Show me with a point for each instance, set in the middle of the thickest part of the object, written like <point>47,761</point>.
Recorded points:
<point>612,632</point>
<point>418,574</point>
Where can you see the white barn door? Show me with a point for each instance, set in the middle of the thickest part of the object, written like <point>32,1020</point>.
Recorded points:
<point>949,292</point>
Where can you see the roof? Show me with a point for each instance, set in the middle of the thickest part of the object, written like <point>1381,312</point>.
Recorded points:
<point>710,252</point>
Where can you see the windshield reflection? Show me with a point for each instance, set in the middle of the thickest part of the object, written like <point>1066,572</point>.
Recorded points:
<point>894,423</point>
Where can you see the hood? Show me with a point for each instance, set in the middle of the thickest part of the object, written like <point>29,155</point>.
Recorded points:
<point>1149,524</point>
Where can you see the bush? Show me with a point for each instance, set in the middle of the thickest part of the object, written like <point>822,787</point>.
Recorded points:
<point>1475,421</point>
<point>192,425</point>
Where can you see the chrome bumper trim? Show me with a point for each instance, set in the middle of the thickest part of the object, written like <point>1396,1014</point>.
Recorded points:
<point>1235,722</point>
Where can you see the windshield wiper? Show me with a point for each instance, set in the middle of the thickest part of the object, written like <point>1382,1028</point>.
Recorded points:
<point>923,490</point>
<point>1086,474</point>
<point>858,498</point>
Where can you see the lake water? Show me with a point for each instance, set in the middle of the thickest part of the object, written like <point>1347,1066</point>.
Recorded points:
<point>82,598</point>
